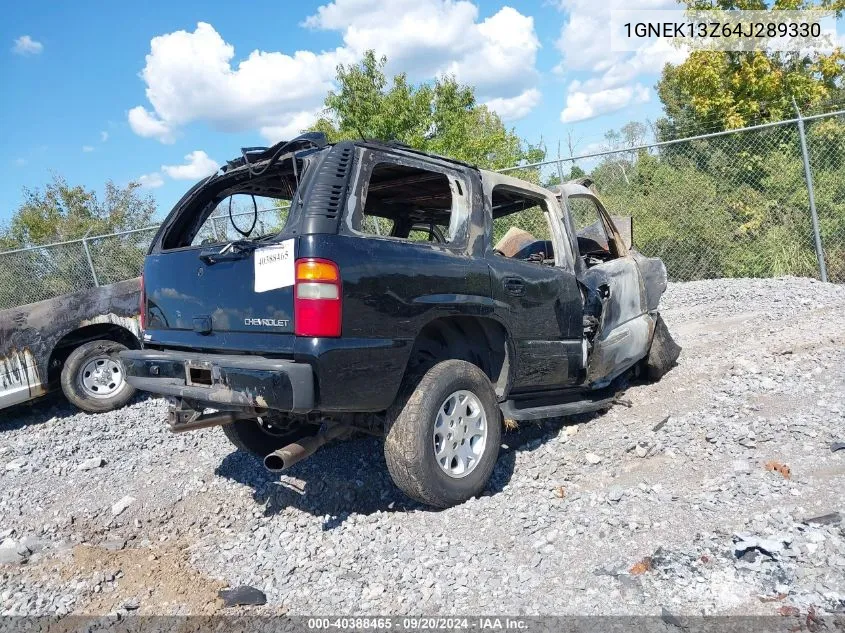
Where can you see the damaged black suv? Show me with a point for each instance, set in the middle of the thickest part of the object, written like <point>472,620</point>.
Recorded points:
<point>373,287</point>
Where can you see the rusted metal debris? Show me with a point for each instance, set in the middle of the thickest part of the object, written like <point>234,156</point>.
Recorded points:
<point>776,466</point>
<point>641,567</point>
<point>814,622</point>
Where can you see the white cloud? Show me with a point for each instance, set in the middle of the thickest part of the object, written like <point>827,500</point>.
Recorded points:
<point>647,60</point>
<point>195,76</point>
<point>190,77</point>
<point>296,123</point>
<point>501,64</point>
<point>20,162</point>
<point>87,148</point>
<point>515,107</point>
<point>104,136</point>
<point>25,45</point>
<point>147,125</point>
<point>199,165</point>
<point>586,104</point>
<point>418,36</point>
<point>151,181</point>
<point>615,80</point>
<point>584,38</point>
<point>426,38</point>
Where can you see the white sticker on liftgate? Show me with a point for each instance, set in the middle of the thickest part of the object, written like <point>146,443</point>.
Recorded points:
<point>274,266</point>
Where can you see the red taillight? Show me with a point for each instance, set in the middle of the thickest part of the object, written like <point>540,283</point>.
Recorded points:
<point>142,304</point>
<point>316,298</point>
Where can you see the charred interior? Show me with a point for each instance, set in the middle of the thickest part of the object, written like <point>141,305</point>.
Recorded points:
<point>409,199</point>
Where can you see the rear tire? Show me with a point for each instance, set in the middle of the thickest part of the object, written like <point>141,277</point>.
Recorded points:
<point>250,436</point>
<point>93,377</point>
<point>444,436</point>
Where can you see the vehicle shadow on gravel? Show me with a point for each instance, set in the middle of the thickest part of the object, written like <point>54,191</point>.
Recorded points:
<point>351,477</point>
<point>53,406</point>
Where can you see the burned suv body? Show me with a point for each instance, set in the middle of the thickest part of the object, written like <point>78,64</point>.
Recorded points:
<point>399,293</point>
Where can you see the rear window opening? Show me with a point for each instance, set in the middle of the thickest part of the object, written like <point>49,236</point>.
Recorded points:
<point>252,217</point>
<point>225,210</point>
<point>410,203</point>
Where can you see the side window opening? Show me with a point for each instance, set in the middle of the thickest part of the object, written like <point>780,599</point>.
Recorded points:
<point>521,227</point>
<point>410,203</point>
<point>594,243</point>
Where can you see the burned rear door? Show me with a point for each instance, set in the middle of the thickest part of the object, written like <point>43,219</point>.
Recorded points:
<point>617,324</point>
<point>533,275</point>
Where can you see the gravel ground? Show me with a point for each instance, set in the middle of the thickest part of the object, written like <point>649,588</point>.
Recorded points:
<point>695,499</point>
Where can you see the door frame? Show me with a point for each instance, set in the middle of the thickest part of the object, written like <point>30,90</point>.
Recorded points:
<point>561,356</point>
<point>627,339</point>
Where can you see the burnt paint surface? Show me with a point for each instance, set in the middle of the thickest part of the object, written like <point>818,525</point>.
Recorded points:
<point>629,289</point>
<point>542,309</point>
<point>28,334</point>
<point>655,278</point>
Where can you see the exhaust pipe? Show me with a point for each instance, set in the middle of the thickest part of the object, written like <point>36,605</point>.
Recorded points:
<point>203,421</point>
<point>287,456</point>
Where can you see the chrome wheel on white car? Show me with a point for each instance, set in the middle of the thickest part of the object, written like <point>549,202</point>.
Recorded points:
<point>93,377</point>
<point>101,377</point>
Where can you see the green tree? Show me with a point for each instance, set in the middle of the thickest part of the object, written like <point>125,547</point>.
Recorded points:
<point>442,117</point>
<point>60,212</point>
<point>719,90</point>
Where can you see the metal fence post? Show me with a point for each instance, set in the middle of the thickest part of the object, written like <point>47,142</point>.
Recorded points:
<point>90,263</point>
<point>808,176</point>
<point>559,165</point>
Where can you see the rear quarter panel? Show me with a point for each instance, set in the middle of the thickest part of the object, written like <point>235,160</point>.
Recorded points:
<point>28,334</point>
<point>391,290</point>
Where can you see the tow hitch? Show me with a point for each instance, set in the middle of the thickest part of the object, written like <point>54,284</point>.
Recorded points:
<point>181,420</point>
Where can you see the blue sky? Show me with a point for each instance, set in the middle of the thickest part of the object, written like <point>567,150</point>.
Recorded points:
<point>103,90</point>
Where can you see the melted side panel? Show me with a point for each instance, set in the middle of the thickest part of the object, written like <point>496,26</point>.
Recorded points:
<point>19,379</point>
<point>28,334</point>
<point>627,296</point>
<point>617,350</point>
<point>130,323</point>
<point>625,329</point>
<point>655,279</point>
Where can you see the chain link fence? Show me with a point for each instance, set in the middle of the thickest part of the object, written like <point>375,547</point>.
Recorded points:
<point>41,272</point>
<point>729,204</point>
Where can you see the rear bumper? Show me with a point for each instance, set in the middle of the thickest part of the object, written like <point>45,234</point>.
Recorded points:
<point>235,380</point>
